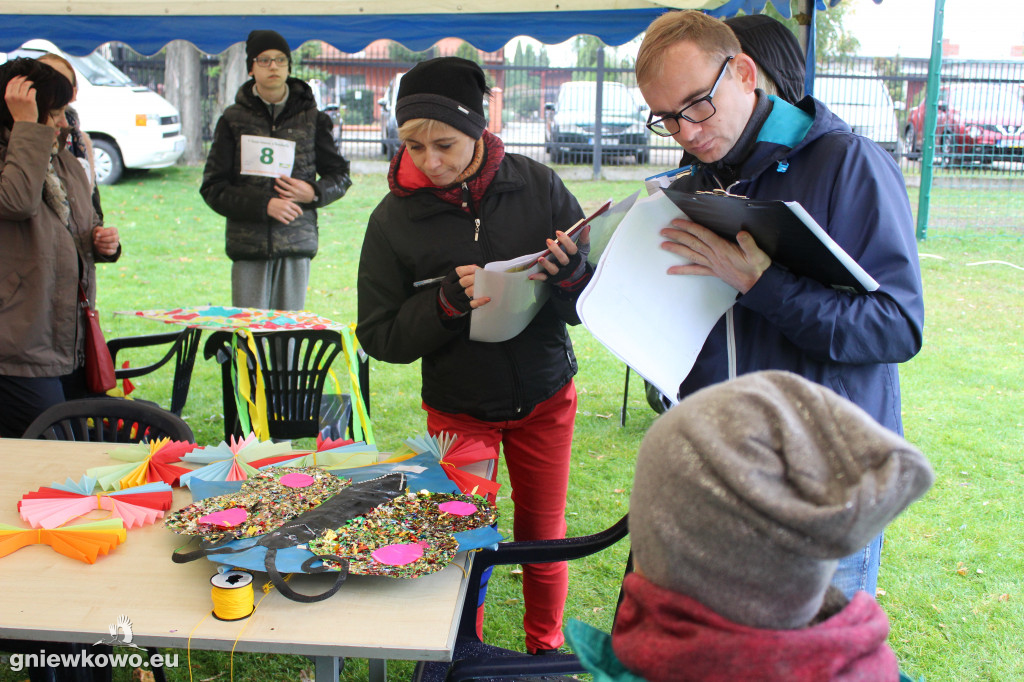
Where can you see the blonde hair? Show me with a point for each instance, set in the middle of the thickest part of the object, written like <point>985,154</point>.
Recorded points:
<point>712,36</point>
<point>426,126</point>
<point>51,57</point>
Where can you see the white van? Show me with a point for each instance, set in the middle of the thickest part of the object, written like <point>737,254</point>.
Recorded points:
<point>865,104</point>
<point>131,126</point>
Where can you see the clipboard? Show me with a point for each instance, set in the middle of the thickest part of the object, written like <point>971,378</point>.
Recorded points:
<point>782,229</point>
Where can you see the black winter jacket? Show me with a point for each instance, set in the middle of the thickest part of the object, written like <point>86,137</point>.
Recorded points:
<point>243,199</point>
<point>419,237</point>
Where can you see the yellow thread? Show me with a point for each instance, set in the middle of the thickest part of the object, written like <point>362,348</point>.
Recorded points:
<point>188,645</point>
<point>232,603</point>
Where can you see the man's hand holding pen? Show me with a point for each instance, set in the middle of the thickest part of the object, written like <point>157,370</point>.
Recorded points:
<point>738,264</point>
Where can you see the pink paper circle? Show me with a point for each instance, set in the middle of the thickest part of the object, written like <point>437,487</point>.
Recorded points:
<point>226,518</point>
<point>457,508</point>
<point>398,555</point>
<point>297,480</point>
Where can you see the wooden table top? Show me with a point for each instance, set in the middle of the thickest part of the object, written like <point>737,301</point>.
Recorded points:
<point>48,596</point>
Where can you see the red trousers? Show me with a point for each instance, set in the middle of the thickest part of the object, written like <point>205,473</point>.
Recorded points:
<point>537,450</point>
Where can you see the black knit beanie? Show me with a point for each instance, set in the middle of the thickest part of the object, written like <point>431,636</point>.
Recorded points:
<point>446,89</point>
<point>261,41</point>
<point>776,51</point>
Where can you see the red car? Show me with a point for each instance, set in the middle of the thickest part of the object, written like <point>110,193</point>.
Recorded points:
<point>977,123</point>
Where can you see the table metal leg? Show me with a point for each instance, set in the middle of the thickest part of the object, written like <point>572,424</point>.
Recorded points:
<point>378,670</point>
<point>328,668</point>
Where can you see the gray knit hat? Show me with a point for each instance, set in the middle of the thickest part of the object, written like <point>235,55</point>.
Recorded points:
<point>446,89</point>
<point>747,493</point>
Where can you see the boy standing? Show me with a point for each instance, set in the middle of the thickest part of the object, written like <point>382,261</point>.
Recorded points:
<point>261,174</point>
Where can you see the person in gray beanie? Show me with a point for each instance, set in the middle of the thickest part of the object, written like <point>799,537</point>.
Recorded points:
<point>746,495</point>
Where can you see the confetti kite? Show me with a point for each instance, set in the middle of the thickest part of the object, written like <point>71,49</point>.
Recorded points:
<point>407,537</point>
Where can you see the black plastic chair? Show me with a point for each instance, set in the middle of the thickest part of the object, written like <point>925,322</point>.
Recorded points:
<point>113,420</point>
<point>183,346</point>
<point>294,365</point>
<point>474,660</point>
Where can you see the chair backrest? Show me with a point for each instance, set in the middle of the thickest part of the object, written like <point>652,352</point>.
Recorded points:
<point>472,658</point>
<point>108,420</point>
<point>183,346</point>
<point>294,365</point>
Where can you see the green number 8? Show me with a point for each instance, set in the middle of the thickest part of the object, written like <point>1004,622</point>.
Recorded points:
<point>267,155</point>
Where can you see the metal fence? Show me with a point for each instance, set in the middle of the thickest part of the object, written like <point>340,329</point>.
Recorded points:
<point>562,116</point>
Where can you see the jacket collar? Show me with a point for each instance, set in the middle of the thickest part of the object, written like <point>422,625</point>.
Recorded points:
<point>784,132</point>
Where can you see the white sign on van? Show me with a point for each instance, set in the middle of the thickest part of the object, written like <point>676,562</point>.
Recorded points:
<point>267,156</point>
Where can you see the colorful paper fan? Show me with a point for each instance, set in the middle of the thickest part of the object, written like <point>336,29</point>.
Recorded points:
<point>231,461</point>
<point>84,541</point>
<point>407,537</point>
<point>453,453</point>
<point>329,455</point>
<point>265,502</point>
<point>147,463</point>
<point>136,507</point>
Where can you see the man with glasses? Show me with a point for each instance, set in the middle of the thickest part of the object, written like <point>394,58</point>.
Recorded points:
<point>261,174</point>
<point>702,92</point>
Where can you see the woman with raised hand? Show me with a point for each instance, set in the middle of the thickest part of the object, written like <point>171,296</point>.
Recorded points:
<point>50,239</point>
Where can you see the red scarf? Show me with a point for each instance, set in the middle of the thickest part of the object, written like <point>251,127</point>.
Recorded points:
<point>662,635</point>
<point>404,177</point>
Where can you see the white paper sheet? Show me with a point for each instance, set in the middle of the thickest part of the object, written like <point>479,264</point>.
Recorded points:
<point>267,156</point>
<point>515,300</point>
<point>654,322</point>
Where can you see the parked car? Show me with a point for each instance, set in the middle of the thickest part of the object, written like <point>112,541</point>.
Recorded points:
<point>389,142</point>
<point>976,123</point>
<point>131,126</point>
<point>865,104</point>
<point>571,120</point>
<point>337,113</point>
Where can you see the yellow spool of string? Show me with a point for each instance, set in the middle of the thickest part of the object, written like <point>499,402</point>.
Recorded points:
<point>232,595</point>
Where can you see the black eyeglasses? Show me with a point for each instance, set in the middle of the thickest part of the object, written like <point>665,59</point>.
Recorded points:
<point>695,112</point>
<point>280,60</point>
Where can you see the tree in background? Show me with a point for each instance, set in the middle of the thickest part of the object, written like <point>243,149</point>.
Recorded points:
<point>400,53</point>
<point>832,39</point>
<point>586,48</point>
<point>523,94</point>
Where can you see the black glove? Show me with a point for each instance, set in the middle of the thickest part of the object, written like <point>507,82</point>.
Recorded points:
<point>575,272</point>
<point>452,298</point>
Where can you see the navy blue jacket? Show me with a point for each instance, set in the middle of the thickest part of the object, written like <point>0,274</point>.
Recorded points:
<point>848,342</point>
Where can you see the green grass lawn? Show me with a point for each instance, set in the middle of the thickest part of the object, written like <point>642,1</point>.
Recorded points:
<point>952,565</point>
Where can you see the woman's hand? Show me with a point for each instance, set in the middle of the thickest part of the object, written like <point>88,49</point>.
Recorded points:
<point>105,240</point>
<point>570,258</point>
<point>455,296</point>
<point>21,100</point>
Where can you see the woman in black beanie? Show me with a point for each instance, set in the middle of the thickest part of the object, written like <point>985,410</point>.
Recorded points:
<point>458,201</point>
